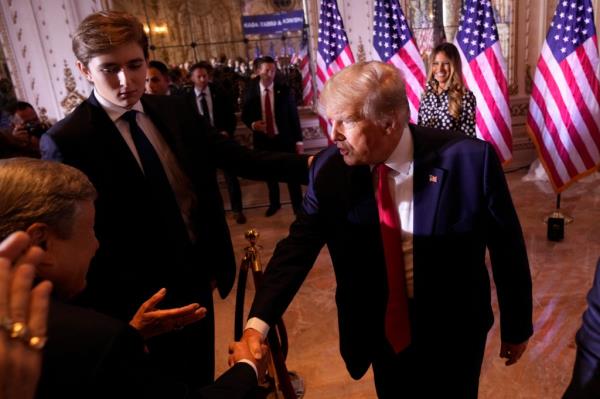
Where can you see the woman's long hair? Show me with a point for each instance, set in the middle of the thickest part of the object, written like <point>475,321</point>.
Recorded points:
<point>455,85</point>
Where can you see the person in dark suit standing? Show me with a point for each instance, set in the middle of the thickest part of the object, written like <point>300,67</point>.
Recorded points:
<point>159,214</point>
<point>214,104</point>
<point>85,353</point>
<point>270,111</point>
<point>585,381</point>
<point>407,214</point>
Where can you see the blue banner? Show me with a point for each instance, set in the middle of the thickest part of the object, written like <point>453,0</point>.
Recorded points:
<point>268,24</point>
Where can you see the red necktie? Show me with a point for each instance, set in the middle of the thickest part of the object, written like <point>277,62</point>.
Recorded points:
<point>397,324</point>
<point>269,115</point>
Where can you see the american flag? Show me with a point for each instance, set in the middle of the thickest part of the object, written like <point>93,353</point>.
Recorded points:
<point>394,44</point>
<point>304,66</point>
<point>564,111</point>
<point>484,72</point>
<point>334,53</point>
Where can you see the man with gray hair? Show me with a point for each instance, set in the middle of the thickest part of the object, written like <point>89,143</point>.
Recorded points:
<point>89,354</point>
<point>407,214</point>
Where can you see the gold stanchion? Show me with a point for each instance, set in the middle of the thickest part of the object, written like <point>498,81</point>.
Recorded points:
<point>278,378</point>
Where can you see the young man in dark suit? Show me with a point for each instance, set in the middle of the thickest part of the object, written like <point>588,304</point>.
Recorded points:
<point>270,111</point>
<point>217,107</point>
<point>159,214</point>
<point>407,214</point>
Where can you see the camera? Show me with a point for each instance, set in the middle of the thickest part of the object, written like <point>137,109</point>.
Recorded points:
<point>35,129</point>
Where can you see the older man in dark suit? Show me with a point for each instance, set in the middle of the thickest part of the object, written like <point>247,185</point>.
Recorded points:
<point>159,214</point>
<point>270,111</point>
<point>407,214</point>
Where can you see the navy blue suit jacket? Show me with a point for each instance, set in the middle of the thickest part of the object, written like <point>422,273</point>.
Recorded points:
<point>461,207</point>
<point>91,355</point>
<point>585,382</point>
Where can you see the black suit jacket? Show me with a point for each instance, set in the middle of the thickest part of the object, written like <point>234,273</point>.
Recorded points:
<point>137,255</point>
<point>286,116</point>
<point>461,207</point>
<point>90,355</point>
<point>223,109</point>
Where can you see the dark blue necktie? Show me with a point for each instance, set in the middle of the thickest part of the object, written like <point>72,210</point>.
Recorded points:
<point>204,105</point>
<point>156,177</point>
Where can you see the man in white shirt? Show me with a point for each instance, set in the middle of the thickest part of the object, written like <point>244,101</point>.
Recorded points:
<point>270,111</point>
<point>407,214</point>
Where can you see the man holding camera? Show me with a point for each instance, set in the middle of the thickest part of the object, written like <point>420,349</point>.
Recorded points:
<point>27,128</point>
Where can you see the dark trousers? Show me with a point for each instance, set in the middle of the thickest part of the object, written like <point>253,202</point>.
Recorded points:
<point>235,193</point>
<point>279,144</point>
<point>421,371</point>
<point>295,195</point>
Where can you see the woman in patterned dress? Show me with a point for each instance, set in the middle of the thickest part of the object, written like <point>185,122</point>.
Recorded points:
<point>446,103</point>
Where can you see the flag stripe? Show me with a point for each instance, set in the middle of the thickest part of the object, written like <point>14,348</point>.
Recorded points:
<point>484,73</point>
<point>557,163</point>
<point>549,125</point>
<point>564,110</point>
<point>590,134</point>
<point>572,107</point>
<point>559,98</point>
<point>486,101</point>
<point>394,44</point>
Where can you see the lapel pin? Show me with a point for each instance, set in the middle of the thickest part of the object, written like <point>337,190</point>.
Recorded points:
<point>432,179</point>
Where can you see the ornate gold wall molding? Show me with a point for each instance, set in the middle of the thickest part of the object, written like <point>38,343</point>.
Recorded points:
<point>519,109</point>
<point>73,98</point>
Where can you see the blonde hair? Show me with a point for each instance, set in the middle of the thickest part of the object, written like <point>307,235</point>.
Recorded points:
<point>40,191</point>
<point>456,87</point>
<point>369,90</point>
<point>102,32</point>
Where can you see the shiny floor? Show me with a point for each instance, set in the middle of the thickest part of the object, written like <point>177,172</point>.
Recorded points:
<point>562,274</point>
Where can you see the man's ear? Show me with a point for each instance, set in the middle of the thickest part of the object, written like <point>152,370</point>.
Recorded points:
<point>84,70</point>
<point>39,233</point>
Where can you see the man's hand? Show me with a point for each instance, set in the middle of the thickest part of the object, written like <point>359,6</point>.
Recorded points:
<point>240,351</point>
<point>151,322</point>
<point>259,126</point>
<point>254,340</point>
<point>512,352</point>
<point>23,312</point>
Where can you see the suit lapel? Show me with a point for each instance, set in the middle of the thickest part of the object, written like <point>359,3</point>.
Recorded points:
<point>168,128</point>
<point>428,182</point>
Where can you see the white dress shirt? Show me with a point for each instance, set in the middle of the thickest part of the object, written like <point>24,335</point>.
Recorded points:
<point>263,93</point>
<point>179,181</point>
<point>208,99</point>
<point>400,179</point>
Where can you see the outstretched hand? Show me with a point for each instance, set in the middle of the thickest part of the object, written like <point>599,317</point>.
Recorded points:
<point>151,322</point>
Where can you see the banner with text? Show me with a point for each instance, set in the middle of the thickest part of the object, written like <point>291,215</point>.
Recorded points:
<point>268,24</point>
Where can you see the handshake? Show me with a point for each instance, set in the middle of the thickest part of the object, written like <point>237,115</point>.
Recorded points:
<point>250,349</point>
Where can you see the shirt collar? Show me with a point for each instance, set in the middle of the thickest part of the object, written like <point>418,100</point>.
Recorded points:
<point>262,87</point>
<point>114,111</point>
<point>401,158</point>
<point>206,90</point>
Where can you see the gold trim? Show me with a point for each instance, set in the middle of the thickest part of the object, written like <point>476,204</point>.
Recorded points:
<point>73,97</point>
<point>528,79</point>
